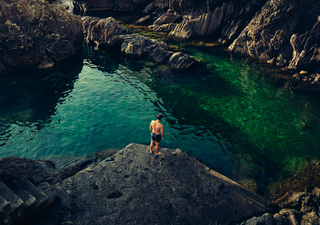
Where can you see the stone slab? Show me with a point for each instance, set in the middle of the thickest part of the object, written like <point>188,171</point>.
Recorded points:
<point>136,187</point>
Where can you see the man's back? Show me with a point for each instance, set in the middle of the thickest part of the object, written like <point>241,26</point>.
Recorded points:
<point>156,126</point>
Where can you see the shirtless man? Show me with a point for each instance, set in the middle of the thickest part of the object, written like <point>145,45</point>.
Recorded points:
<point>156,129</point>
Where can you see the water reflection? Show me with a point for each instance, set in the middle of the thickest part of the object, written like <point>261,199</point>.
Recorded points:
<point>28,99</point>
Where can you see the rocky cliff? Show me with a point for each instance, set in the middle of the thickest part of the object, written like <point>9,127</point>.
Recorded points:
<point>285,33</point>
<point>107,32</point>
<point>280,32</point>
<point>35,34</point>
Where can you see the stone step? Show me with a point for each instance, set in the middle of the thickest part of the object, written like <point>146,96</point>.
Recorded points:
<point>16,203</point>
<point>29,200</point>
<point>42,198</point>
<point>4,210</point>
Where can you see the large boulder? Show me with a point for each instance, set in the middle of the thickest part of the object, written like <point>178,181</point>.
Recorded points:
<point>35,34</point>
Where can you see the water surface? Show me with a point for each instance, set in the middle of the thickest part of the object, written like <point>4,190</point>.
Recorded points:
<point>232,117</point>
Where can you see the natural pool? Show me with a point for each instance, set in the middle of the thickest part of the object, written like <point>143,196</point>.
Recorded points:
<point>232,117</point>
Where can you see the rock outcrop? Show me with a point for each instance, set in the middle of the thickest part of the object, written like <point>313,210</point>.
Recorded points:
<point>107,32</point>
<point>36,34</point>
<point>134,186</point>
<point>299,208</point>
<point>114,5</point>
<point>281,32</point>
<point>285,33</point>
<point>223,20</point>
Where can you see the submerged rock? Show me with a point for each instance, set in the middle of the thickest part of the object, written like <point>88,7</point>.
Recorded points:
<point>35,34</point>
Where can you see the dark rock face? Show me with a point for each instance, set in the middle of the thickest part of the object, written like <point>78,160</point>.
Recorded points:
<point>115,5</point>
<point>35,34</point>
<point>283,32</point>
<point>108,32</point>
<point>299,208</point>
<point>225,20</point>
<point>14,168</point>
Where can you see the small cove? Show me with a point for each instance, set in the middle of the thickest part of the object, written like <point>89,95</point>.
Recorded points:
<point>232,117</point>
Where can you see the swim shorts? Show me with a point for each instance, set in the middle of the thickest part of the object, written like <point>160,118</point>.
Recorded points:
<point>156,137</point>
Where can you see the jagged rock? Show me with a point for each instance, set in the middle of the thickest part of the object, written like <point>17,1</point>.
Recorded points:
<point>35,34</point>
<point>290,216</point>
<point>166,27</point>
<point>265,219</point>
<point>14,168</point>
<point>108,32</point>
<point>180,60</point>
<point>306,50</point>
<point>170,17</point>
<point>102,31</point>
<point>310,218</point>
<point>285,33</point>
<point>226,20</point>
<point>116,5</point>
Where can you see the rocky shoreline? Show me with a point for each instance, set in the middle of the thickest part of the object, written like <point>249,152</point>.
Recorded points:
<point>133,186</point>
<point>282,33</point>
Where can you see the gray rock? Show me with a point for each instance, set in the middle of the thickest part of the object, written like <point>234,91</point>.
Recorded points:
<point>108,32</point>
<point>161,194</point>
<point>285,33</point>
<point>36,34</point>
<point>265,219</point>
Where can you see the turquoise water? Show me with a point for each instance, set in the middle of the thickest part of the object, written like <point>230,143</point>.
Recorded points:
<point>233,117</point>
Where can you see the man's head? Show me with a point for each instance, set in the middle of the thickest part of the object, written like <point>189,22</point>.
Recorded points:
<point>159,116</point>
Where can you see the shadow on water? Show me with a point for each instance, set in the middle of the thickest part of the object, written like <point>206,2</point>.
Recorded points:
<point>31,97</point>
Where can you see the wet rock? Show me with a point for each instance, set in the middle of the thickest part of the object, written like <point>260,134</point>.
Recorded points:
<point>179,60</point>
<point>35,34</point>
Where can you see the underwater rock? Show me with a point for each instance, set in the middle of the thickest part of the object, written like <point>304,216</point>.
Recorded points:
<point>36,34</point>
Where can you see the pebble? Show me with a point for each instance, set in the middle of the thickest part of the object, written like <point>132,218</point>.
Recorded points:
<point>119,170</point>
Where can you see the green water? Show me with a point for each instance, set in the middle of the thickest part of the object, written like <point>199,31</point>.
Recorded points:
<point>233,117</point>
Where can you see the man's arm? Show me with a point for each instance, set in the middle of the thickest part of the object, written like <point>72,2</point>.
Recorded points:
<point>162,132</point>
<point>151,126</point>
